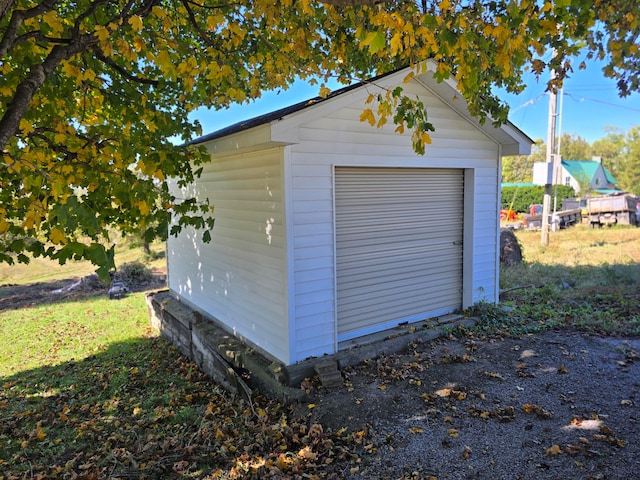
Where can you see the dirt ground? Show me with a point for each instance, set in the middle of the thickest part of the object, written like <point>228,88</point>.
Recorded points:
<point>555,405</point>
<point>33,294</point>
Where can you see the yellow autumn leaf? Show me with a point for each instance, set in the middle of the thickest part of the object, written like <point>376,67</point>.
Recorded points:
<point>53,21</point>
<point>415,430</point>
<point>71,70</point>
<point>102,33</point>
<point>89,75</point>
<point>57,236</point>
<point>164,61</point>
<point>26,127</point>
<point>409,76</point>
<point>452,432</point>
<point>368,116</point>
<point>396,44</point>
<point>445,5</point>
<point>143,207</point>
<point>324,91</point>
<point>283,461</point>
<point>4,225</point>
<point>40,435</point>
<point>307,453</point>
<point>136,22</point>
<point>29,220</point>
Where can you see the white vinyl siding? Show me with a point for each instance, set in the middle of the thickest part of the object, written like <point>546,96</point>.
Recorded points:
<point>240,276</point>
<point>339,139</point>
<point>398,246</point>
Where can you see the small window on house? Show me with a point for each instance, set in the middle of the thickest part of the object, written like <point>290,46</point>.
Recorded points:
<point>567,181</point>
<point>597,181</point>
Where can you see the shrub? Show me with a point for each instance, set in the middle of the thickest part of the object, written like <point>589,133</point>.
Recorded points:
<point>522,197</point>
<point>134,272</point>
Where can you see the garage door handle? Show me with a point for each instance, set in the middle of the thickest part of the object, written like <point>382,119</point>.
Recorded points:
<point>458,242</point>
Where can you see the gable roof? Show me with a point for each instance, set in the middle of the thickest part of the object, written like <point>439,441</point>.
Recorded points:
<point>513,140</point>
<point>271,116</point>
<point>579,169</point>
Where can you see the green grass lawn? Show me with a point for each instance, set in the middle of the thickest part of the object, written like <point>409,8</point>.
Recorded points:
<point>59,332</point>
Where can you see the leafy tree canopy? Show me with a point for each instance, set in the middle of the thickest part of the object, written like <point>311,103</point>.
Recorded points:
<point>93,91</point>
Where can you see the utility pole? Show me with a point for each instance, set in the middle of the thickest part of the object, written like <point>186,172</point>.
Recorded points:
<point>551,170</point>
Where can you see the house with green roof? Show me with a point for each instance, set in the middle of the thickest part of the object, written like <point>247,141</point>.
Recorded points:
<point>579,174</point>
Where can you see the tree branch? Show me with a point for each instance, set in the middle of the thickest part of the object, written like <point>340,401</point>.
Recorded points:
<point>27,89</point>
<point>5,5</point>
<point>17,18</point>
<point>122,71</point>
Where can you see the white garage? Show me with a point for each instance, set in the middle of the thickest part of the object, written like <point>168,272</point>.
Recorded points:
<point>328,229</point>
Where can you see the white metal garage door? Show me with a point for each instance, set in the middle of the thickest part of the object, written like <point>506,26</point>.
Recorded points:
<point>398,246</point>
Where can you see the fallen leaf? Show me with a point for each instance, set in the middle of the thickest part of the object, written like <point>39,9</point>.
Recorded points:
<point>307,453</point>
<point>533,409</point>
<point>466,452</point>
<point>573,449</point>
<point>553,450</point>
<point>415,430</point>
<point>452,432</point>
<point>494,375</point>
<point>40,435</point>
<point>460,395</point>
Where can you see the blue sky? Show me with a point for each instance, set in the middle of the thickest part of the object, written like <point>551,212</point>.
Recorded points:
<point>590,104</point>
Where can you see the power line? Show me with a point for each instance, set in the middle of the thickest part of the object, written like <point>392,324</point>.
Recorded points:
<point>582,99</point>
<point>529,102</point>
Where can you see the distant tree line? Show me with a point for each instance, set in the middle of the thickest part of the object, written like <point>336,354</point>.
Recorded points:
<point>619,150</point>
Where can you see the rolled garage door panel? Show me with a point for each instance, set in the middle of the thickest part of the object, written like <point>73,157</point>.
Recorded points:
<point>398,246</point>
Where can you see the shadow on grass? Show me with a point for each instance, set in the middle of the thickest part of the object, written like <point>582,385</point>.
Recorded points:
<point>132,409</point>
<point>141,410</point>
